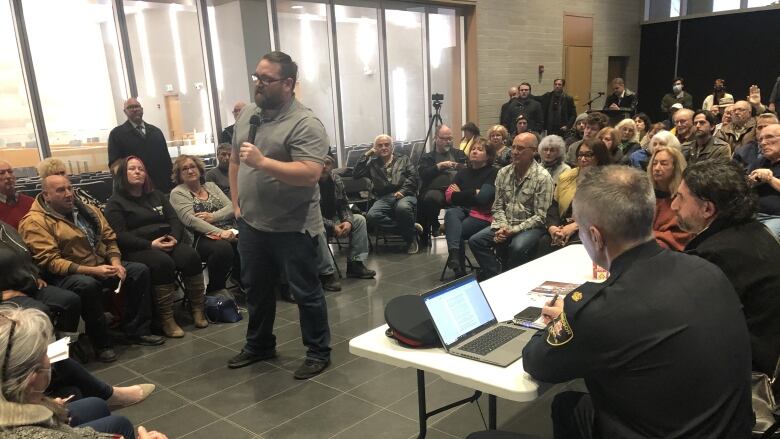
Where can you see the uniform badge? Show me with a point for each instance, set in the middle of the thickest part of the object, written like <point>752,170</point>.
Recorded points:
<point>559,332</point>
<point>576,296</point>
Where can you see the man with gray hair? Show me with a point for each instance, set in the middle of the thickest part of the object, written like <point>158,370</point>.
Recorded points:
<point>394,184</point>
<point>742,128</point>
<point>650,340</point>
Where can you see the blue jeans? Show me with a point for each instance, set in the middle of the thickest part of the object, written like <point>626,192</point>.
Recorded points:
<point>459,226</point>
<point>94,412</point>
<point>521,248</point>
<point>358,245</point>
<point>772,222</point>
<point>70,378</point>
<point>389,213</point>
<point>264,255</point>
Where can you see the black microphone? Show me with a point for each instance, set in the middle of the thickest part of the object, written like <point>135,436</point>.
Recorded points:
<point>254,121</point>
<point>601,93</point>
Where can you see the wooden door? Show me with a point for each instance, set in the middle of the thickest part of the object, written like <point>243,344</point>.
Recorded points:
<point>577,63</point>
<point>173,115</point>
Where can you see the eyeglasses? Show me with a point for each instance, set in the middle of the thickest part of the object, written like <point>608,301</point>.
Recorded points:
<point>264,80</point>
<point>8,348</point>
<point>586,155</point>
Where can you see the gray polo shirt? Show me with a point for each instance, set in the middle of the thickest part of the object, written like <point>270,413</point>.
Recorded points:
<point>267,204</point>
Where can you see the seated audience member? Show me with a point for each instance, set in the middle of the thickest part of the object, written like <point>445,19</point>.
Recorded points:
<point>13,204</point>
<point>207,212</point>
<point>436,169</point>
<point>471,197</point>
<point>497,139</point>
<point>25,410</point>
<point>148,231</point>
<point>611,139</point>
<point>68,377</point>
<point>76,247</point>
<point>715,203</point>
<point>55,166</point>
<point>742,128</point>
<point>670,350</point>
<point>703,145</point>
<point>669,122</point>
<point>641,158</point>
<point>525,104</point>
<point>23,285</point>
<point>561,227</point>
<point>665,172</point>
<point>764,176</point>
<point>629,139</point>
<point>575,133</point>
<point>470,132</point>
<point>718,93</point>
<point>677,96</point>
<point>750,153</point>
<point>683,125</point>
<point>621,99</point>
<point>727,110</point>
<point>643,128</point>
<point>340,222</point>
<point>523,195</point>
<point>394,186</point>
<point>593,124</point>
<point>551,151</point>
<point>521,124</point>
<point>219,174</point>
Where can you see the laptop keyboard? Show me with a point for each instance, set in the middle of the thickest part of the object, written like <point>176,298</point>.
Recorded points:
<point>491,340</point>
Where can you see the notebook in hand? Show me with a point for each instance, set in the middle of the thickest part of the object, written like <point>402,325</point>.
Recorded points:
<point>468,327</point>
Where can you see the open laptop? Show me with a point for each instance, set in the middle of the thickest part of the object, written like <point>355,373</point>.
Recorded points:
<point>467,326</point>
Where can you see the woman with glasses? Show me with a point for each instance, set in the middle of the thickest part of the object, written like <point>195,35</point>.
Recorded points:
<point>562,230</point>
<point>207,213</point>
<point>148,231</point>
<point>25,375</point>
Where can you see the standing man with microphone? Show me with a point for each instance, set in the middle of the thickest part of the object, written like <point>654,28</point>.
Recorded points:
<point>278,153</point>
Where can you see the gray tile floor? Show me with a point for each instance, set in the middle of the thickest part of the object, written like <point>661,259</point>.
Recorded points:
<point>197,396</point>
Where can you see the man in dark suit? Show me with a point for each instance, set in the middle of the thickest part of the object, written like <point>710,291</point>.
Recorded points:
<point>621,99</point>
<point>506,110</point>
<point>143,140</point>
<point>526,104</point>
<point>558,108</point>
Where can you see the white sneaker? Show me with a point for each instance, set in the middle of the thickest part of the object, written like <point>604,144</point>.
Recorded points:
<point>414,247</point>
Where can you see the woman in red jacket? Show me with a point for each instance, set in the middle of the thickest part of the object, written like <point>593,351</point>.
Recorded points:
<point>665,171</point>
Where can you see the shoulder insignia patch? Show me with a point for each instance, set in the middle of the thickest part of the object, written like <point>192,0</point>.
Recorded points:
<point>559,332</point>
<point>576,296</point>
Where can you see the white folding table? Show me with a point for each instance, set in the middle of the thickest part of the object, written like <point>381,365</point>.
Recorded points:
<point>507,296</point>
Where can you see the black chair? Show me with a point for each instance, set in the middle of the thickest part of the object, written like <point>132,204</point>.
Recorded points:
<point>100,190</point>
<point>469,266</point>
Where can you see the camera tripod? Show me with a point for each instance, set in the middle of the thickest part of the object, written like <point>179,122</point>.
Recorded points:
<point>436,121</point>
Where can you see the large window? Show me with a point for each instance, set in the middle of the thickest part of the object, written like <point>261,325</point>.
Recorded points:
<point>79,76</point>
<point>17,135</point>
<point>406,61</point>
<point>303,34</point>
<point>360,73</point>
<point>169,69</point>
<point>444,50</point>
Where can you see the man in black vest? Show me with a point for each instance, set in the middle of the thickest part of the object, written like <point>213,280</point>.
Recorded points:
<point>145,141</point>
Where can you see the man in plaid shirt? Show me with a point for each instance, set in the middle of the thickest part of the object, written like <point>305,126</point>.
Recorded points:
<point>524,191</point>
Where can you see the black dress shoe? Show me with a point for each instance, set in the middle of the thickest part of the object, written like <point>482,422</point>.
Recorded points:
<point>147,340</point>
<point>106,355</point>
<point>245,358</point>
<point>356,269</point>
<point>311,368</point>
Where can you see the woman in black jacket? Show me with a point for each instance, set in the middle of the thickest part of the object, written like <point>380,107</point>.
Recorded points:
<point>148,231</point>
<point>471,195</point>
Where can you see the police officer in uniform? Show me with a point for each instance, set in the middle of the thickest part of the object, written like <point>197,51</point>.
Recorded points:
<point>662,344</point>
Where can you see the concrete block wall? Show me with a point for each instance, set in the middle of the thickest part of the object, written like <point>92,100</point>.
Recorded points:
<point>515,36</point>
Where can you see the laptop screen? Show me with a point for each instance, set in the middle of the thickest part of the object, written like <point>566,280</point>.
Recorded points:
<point>458,309</point>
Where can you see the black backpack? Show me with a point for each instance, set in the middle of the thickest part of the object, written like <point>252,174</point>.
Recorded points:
<point>410,323</point>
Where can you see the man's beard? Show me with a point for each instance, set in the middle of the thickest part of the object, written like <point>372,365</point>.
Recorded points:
<point>224,165</point>
<point>268,101</point>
